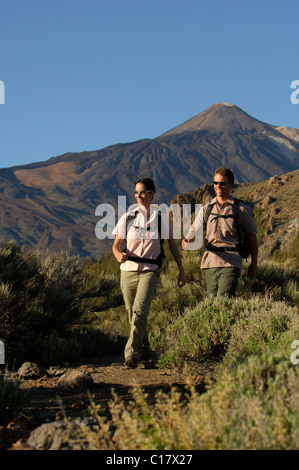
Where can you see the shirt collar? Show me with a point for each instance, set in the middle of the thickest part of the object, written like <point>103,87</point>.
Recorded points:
<point>230,200</point>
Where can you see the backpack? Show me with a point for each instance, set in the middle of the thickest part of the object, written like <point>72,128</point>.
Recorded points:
<point>137,259</point>
<point>243,247</point>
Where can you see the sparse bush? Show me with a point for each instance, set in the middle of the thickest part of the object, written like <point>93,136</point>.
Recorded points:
<point>282,256</point>
<point>58,309</point>
<point>170,301</point>
<point>46,295</point>
<point>230,330</point>
<point>270,327</point>
<point>294,251</point>
<point>12,399</point>
<point>261,223</point>
<point>253,407</point>
<point>276,280</point>
<point>200,333</point>
<point>78,343</point>
<point>105,265</point>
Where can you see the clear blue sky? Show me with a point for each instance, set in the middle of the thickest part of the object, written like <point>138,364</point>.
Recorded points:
<point>82,75</point>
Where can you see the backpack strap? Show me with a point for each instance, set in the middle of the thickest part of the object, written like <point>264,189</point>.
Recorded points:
<point>158,261</point>
<point>130,217</point>
<point>243,247</point>
<point>234,215</point>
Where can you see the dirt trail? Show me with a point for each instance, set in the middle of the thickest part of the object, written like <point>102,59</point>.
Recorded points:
<point>49,402</point>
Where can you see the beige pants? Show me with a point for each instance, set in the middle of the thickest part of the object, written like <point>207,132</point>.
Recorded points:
<point>138,288</point>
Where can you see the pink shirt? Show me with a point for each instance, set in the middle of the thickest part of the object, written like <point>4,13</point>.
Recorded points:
<point>140,241</point>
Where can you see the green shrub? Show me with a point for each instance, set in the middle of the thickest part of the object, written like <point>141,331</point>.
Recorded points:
<point>252,407</point>
<point>12,399</point>
<point>201,332</point>
<point>280,282</point>
<point>269,327</point>
<point>282,256</point>
<point>45,297</point>
<point>260,223</point>
<point>172,299</point>
<point>105,265</point>
<point>276,280</point>
<point>78,343</point>
<point>230,330</point>
<point>294,251</point>
<point>46,294</point>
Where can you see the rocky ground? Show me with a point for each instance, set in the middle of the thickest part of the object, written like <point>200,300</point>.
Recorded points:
<point>66,392</point>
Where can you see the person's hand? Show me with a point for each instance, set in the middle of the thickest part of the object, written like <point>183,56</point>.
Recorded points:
<point>181,279</point>
<point>185,244</point>
<point>121,257</point>
<point>252,270</point>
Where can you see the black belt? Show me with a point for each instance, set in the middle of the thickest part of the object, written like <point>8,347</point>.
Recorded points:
<point>137,259</point>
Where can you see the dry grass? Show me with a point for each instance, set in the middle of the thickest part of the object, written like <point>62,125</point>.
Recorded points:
<point>256,406</point>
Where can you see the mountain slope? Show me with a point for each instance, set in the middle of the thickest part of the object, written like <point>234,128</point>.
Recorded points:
<point>52,204</point>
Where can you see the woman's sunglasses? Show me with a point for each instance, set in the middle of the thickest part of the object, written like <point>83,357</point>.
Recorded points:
<point>142,193</point>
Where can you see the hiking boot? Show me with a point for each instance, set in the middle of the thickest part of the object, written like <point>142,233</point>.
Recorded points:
<point>131,363</point>
<point>149,355</point>
<point>145,355</point>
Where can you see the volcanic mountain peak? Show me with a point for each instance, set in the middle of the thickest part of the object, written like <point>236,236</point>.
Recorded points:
<point>52,204</point>
<point>218,117</point>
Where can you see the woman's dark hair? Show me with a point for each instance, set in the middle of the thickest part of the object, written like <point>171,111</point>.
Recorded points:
<point>148,183</point>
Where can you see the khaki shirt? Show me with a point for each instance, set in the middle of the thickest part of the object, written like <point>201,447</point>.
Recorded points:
<point>222,232</point>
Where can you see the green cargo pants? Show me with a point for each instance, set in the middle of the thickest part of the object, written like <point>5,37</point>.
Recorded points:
<point>138,288</point>
<point>222,281</point>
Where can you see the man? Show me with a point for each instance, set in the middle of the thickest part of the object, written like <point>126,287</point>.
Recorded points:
<point>221,261</point>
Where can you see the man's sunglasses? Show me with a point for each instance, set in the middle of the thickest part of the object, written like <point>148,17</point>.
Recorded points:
<point>142,193</point>
<point>221,183</point>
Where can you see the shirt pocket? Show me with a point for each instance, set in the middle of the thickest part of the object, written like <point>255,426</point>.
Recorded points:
<point>133,233</point>
<point>228,228</point>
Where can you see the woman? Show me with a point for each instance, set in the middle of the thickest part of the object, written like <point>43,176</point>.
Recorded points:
<point>140,264</point>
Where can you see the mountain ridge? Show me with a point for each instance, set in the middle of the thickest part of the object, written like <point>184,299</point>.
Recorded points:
<point>52,204</point>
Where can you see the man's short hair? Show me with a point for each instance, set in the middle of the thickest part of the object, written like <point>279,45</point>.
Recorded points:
<point>226,172</point>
